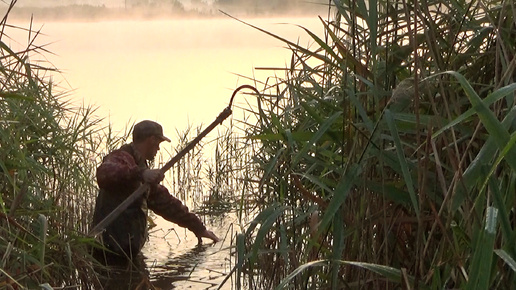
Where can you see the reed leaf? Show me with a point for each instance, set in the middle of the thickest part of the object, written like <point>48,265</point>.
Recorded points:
<point>297,271</point>
<point>320,132</point>
<point>506,258</point>
<point>483,252</point>
<point>493,126</point>
<point>339,196</point>
<point>390,273</point>
<point>338,247</point>
<point>473,172</point>
<point>489,100</point>
<point>402,161</point>
<point>505,220</point>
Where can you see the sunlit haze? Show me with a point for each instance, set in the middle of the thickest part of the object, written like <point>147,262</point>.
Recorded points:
<point>178,72</point>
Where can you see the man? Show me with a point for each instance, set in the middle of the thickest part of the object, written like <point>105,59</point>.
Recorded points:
<point>120,174</point>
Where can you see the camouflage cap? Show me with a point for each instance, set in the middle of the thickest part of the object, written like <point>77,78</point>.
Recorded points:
<point>148,128</point>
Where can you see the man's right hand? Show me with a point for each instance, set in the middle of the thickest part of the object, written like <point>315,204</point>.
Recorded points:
<point>207,234</point>
<point>153,176</point>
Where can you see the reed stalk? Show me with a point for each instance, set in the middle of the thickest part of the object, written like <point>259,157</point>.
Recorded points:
<point>49,150</point>
<point>385,153</point>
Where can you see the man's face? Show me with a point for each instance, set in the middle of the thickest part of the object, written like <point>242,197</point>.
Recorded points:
<point>152,147</point>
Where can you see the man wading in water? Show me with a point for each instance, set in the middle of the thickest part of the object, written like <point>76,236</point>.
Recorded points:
<point>120,174</point>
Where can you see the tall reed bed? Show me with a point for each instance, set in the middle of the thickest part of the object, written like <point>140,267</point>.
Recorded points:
<point>48,154</point>
<point>212,177</point>
<point>385,153</point>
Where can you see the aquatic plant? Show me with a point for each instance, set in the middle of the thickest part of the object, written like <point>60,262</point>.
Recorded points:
<point>48,152</point>
<point>385,153</point>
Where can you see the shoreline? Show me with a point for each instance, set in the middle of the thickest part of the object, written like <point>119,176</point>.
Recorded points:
<point>88,13</point>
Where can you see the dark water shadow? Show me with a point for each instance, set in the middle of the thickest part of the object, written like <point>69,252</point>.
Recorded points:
<point>171,258</point>
<point>124,274</point>
<point>175,261</point>
<point>188,267</point>
<point>173,266</point>
<point>135,274</point>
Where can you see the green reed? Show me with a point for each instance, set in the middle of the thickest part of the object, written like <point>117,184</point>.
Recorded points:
<point>49,151</point>
<point>385,154</point>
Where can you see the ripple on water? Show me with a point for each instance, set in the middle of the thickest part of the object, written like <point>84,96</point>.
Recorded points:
<point>175,261</point>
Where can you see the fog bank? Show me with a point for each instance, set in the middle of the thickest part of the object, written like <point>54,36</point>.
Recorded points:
<point>95,10</point>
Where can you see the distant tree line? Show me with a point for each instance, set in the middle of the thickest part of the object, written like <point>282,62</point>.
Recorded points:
<point>142,3</point>
<point>160,8</point>
<point>277,7</point>
<point>248,6</point>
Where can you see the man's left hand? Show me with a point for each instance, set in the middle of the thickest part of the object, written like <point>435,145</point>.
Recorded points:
<point>153,176</point>
<point>207,234</point>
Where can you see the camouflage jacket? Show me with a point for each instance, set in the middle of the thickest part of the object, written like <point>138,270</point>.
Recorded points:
<point>119,175</point>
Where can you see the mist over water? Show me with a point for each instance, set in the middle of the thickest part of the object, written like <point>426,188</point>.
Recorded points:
<point>177,72</point>
<point>95,10</point>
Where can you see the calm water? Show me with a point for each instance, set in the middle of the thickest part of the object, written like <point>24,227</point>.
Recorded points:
<point>179,73</point>
<point>173,257</point>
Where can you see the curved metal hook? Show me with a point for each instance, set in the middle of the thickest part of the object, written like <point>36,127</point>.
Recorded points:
<point>239,89</point>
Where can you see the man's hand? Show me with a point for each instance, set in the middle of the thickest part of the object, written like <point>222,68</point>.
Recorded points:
<point>207,234</point>
<point>153,176</point>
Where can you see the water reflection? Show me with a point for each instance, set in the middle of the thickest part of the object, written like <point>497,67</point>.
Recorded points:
<point>181,269</point>
<point>173,260</point>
